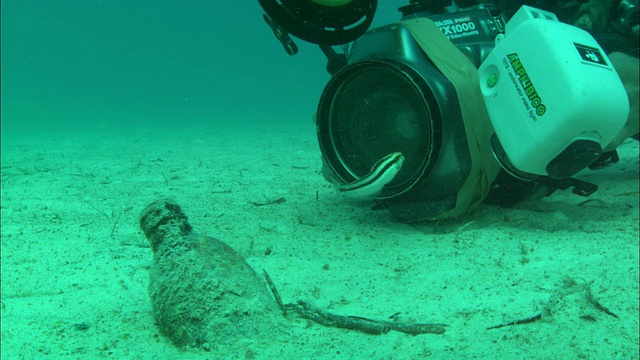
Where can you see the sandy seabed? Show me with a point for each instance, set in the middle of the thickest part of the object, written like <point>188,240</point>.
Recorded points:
<point>75,263</point>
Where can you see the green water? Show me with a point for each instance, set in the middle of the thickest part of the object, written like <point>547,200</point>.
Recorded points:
<point>121,63</point>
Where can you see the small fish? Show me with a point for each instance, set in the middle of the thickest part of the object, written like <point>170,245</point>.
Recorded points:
<point>370,185</point>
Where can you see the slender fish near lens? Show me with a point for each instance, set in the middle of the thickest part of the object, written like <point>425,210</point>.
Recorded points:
<point>370,185</point>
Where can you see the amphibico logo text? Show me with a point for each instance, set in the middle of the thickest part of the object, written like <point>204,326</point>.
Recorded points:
<point>524,86</point>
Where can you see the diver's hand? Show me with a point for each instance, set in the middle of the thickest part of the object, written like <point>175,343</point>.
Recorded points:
<point>593,15</point>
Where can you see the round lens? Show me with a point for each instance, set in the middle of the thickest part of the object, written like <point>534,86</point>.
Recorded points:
<point>370,110</point>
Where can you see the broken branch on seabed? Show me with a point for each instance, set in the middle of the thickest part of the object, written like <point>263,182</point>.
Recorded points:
<point>362,324</point>
<point>357,323</point>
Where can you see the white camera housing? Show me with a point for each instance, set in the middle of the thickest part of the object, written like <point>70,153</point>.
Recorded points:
<point>554,99</point>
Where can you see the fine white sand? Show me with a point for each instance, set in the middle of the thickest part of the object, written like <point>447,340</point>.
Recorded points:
<point>75,264</point>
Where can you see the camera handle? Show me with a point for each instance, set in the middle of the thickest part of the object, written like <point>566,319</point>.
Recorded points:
<point>319,24</point>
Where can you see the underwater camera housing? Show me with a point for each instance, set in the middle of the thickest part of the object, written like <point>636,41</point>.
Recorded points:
<point>399,93</point>
<point>408,116</point>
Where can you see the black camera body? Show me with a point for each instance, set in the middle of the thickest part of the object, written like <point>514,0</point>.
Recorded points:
<point>391,97</point>
<point>472,31</point>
